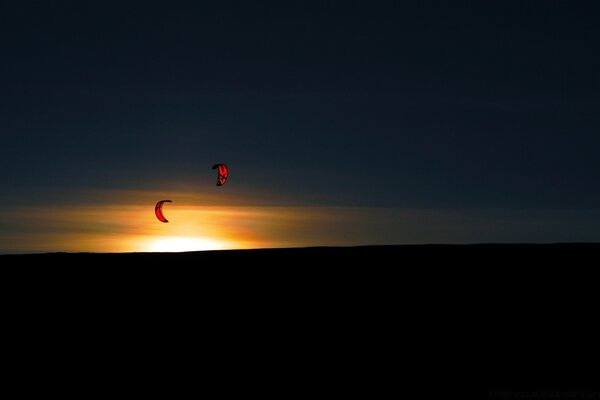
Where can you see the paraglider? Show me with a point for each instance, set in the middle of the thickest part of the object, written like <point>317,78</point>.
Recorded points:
<point>223,173</point>
<point>158,210</point>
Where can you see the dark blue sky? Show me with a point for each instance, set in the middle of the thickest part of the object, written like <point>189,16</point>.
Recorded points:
<point>397,104</point>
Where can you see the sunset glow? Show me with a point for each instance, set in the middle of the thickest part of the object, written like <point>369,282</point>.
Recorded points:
<point>117,221</point>
<point>179,244</point>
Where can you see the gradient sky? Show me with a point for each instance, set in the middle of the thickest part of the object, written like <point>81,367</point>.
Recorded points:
<point>343,122</point>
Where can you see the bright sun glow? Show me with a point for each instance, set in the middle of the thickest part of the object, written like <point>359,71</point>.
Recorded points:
<point>178,244</point>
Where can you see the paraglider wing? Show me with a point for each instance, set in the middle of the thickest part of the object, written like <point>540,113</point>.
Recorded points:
<point>158,210</point>
<point>223,173</point>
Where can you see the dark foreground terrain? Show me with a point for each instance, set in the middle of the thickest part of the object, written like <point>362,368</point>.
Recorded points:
<point>424,322</point>
<point>324,256</point>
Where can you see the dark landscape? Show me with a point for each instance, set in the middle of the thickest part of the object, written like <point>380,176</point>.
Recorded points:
<point>457,317</point>
<point>489,254</point>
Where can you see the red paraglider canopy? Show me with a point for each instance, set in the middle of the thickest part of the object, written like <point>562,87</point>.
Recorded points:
<point>223,173</point>
<point>158,210</point>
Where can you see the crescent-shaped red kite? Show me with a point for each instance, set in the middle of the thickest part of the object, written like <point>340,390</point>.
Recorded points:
<point>158,210</point>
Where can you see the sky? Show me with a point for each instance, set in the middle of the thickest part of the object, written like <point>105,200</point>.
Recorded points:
<point>342,123</point>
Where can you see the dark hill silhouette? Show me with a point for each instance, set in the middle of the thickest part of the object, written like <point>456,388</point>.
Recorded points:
<point>489,252</point>
<point>434,321</point>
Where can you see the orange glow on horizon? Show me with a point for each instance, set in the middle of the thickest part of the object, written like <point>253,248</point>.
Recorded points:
<point>179,244</point>
<point>129,224</point>
<point>133,228</point>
